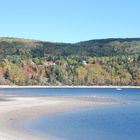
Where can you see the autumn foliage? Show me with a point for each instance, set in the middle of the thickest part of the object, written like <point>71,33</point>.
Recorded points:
<point>95,62</point>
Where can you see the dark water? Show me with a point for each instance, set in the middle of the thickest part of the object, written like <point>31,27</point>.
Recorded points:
<point>118,122</point>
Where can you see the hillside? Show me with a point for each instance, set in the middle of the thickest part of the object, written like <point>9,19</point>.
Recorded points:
<point>101,47</point>
<point>93,62</point>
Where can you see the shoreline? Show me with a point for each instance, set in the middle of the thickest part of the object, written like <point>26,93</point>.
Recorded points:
<point>16,110</point>
<point>37,86</point>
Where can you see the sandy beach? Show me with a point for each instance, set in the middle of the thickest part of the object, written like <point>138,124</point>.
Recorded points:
<point>15,108</point>
<point>65,86</point>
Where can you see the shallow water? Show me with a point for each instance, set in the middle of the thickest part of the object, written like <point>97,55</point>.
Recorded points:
<point>117,122</point>
<point>108,123</point>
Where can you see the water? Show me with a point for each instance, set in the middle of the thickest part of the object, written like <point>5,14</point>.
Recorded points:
<point>129,94</point>
<point>108,123</point>
<point>71,91</point>
<point>118,122</point>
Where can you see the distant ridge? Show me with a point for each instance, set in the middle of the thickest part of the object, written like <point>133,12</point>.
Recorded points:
<point>104,39</point>
<point>25,39</point>
<point>112,39</point>
<point>110,47</point>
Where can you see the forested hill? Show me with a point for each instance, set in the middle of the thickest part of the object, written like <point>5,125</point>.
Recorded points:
<point>101,47</point>
<point>110,47</point>
<point>93,62</point>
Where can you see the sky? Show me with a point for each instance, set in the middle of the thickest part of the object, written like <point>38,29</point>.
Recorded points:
<point>69,20</point>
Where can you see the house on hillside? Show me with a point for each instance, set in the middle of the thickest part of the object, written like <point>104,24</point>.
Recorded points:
<point>49,63</point>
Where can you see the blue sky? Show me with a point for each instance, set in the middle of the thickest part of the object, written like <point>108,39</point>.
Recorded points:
<point>69,20</point>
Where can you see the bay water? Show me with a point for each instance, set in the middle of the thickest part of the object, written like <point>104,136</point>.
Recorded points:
<point>116,122</point>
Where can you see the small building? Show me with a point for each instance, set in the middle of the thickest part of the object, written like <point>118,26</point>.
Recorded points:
<point>49,63</point>
<point>84,62</point>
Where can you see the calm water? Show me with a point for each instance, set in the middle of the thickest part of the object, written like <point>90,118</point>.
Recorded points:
<point>119,122</point>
